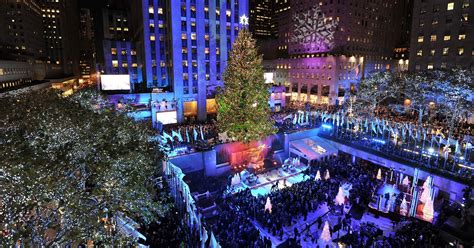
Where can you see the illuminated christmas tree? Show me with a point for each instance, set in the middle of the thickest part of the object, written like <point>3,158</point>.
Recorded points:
<point>426,190</point>
<point>243,110</point>
<point>326,234</point>
<point>268,205</point>
<point>404,207</point>
<point>340,197</point>
<point>379,175</point>
<point>326,176</point>
<point>428,210</point>
<point>318,176</point>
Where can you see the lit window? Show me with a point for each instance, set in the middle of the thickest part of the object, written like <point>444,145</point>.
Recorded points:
<point>151,10</point>
<point>433,37</point>
<point>465,17</point>
<point>152,38</point>
<point>443,65</point>
<point>465,4</point>
<point>430,67</point>
<point>193,36</point>
<point>447,37</point>
<point>113,51</point>
<point>124,65</point>
<point>134,65</point>
<point>462,37</point>
<point>445,50</point>
<point>451,6</point>
<point>419,53</point>
<point>460,51</point>
<point>160,10</point>
<point>115,63</point>
<point>183,36</point>
<point>420,39</point>
<point>432,52</point>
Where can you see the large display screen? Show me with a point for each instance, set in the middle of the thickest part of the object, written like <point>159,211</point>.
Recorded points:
<point>268,77</point>
<point>167,117</point>
<point>115,82</point>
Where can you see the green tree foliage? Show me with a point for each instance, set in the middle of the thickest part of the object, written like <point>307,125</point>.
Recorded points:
<point>243,110</point>
<point>68,166</point>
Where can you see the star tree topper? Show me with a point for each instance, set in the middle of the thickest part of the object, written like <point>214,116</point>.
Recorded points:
<point>244,20</point>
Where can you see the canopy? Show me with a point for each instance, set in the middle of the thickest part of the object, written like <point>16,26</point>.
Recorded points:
<point>312,148</point>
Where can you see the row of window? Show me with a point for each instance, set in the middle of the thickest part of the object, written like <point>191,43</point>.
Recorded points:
<point>434,37</point>
<point>445,52</point>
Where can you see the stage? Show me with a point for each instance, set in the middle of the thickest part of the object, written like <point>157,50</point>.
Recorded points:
<point>265,181</point>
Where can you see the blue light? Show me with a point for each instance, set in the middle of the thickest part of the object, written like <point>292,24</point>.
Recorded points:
<point>326,126</point>
<point>379,141</point>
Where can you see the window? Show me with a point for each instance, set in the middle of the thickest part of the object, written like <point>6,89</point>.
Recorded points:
<point>445,51</point>
<point>113,51</point>
<point>430,66</point>
<point>447,37</point>
<point>151,10</point>
<point>419,53</point>
<point>115,63</point>
<point>465,17</point>
<point>420,39</point>
<point>443,65</point>
<point>460,51</point>
<point>462,36</point>
<point>152,37</point>
<point>465,4</point>
<point>432,52</point>
<point>450,6</point>
<point>433,37</point>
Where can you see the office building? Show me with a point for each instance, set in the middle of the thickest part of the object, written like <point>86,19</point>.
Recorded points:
<point>328,46</point>
<point>442,34</point>
<point>260,19</point>
<point>87,59</point>
<point>117,52</point>
<point>61,25</point>
<point>184,48</point>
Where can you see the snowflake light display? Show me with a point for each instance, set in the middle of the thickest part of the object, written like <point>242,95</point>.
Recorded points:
<point>313,31</point>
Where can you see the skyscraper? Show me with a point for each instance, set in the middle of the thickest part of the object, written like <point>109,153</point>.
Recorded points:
<point>61,25</point>
<point>260,19</point>
<point>184,46</point>
<point>328,46</point>
<point>87,49</point>
<point>442,35</point>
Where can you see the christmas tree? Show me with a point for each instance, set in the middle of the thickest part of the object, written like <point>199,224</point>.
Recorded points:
<point>318,176</point>
<point>428,210</point>
<point>426,189</point>
<point>326,176</point>
<point>404,207</point>
<point>243,110</point>
<point>379,175</point>
<point>326,234</point>
<point>340,197</point>
<point>268,205</point>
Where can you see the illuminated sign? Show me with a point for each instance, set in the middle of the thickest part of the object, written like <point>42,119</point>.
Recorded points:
<point>115,82</point>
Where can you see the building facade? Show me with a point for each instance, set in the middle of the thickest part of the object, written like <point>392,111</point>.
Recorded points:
<point>118,54</point>
<point>87,58</point>
<point>184,47</point>
<point>61,25</point>
<point>260,18</point>
<point>442,34</point>
<point>328,46</point>
<point>21,32</point>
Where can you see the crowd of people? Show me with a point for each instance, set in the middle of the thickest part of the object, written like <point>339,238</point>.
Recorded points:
<point>298,200</point>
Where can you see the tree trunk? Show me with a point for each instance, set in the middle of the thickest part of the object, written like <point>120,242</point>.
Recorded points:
<point>420,117</point>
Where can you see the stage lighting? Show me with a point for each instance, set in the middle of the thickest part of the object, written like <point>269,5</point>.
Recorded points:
<point>326,126</point>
